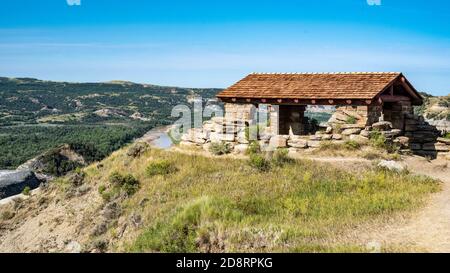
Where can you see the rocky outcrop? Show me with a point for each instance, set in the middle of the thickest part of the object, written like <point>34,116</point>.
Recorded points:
<point>420,137</point>
<point>442,125</point>
<point>57,161</point>
<point>14,182</point>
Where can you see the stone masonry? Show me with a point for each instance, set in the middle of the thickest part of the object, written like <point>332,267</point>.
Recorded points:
<point>355,123</point>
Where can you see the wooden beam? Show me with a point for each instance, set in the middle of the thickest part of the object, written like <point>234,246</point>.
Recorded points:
<point>298,101</point>
<point>394,98</point>
<point>408,89</point>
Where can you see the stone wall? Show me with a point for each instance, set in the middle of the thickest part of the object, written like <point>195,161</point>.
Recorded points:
<point>422,138</point>
<point>362,115</point>
<point>395,113</point>
<point>238,111</point>
<point>218,129</point>
<point>238,125</point>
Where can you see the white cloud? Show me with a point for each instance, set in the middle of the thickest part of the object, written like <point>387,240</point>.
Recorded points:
<point>74,2</point>
<point>374,2</point>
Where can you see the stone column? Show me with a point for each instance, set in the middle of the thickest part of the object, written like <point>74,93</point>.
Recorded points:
<point>274,118</point>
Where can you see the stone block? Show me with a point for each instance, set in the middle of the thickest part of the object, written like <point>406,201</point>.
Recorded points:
<point>415,146</point>
<point>352,126</point>
<point>298,143</point>
<point>382,125</point>
<point>365,133</point>
<point>348,132</point>
<point>227,137</point>
<point>435,147</point>
<point>359,139</point>
<point>278,141</point>
<point>443,140</point>
<point>403,141</point>
<point>391,133</point>
<point>314,144</point>
<point>199,140</point>
<point>240,148</point>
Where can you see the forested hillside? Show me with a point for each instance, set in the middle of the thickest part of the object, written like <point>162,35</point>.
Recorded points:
<point>37,115</point>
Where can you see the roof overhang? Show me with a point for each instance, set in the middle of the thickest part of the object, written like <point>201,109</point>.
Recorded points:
<point>358,88</point>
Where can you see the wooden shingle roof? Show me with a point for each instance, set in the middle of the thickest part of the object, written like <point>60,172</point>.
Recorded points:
<point>355,85</point>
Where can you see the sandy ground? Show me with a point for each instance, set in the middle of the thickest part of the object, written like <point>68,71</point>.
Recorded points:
<point>428,229</point>
<point>47,223</point>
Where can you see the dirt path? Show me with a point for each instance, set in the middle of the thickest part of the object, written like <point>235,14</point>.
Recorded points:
<point>428,229</point>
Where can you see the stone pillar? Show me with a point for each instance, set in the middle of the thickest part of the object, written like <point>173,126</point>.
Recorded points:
<point>274,111</point>
<point>395,113</point>
<point>374,113</point>
<point>240,111</point>
<point>362,115</point>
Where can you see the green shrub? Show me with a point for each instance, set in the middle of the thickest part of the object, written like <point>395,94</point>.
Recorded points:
<point>127,183</point>
<point>26,190</point>
<point>377,139</point>
<point>138,149</point>
<point>6,215</point>
<point>77,177</point>
<point>351,120</point>
<point>253,148</point>
<point>115,178</point>
<point>352,145</point>
<point>101,189</point>
<point>280,157</point>
<point>446,135</point>
<point>220,148</point>
<point>107,195</point>
<point>259,162</point>
<point>160,167</point>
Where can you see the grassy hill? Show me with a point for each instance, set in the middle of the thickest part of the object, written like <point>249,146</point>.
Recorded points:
<point>435,107</point>
<point>37,115</point>
<point>143,199</point>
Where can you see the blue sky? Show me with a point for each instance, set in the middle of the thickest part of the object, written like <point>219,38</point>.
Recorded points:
<point>215,43</point>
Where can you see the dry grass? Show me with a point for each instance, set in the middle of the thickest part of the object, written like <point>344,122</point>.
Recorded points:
<point>222,204</point>
<point>354,149</point>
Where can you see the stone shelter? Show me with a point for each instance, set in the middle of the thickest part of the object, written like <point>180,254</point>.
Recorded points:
<point>276,103</point>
